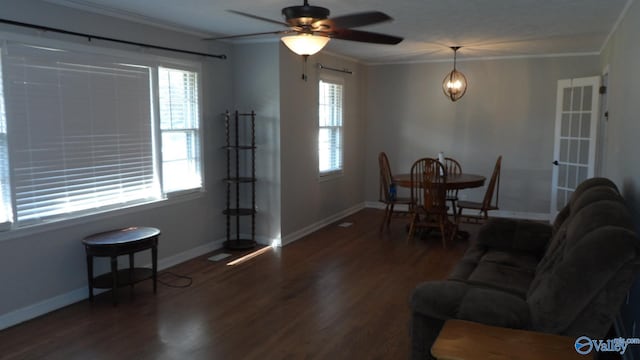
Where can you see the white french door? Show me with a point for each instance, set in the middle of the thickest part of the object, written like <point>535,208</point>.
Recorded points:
<point>574,150</point>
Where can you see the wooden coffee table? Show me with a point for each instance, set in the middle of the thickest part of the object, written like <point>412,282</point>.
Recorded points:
<point>466,340</point>
<point>121,242</point>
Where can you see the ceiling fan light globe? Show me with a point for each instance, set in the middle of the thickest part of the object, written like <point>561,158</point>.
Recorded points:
<point>305,44</point>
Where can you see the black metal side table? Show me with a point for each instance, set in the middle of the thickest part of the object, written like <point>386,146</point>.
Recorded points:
<point>121,242</point>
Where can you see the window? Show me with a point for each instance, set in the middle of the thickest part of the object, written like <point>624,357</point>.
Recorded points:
<point>78,133</point>
<point>330,128</point>
<point>5,199</point>
<point>179,123</point>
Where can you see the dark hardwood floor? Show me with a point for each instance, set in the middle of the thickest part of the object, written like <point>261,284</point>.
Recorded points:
<point>339,293</point>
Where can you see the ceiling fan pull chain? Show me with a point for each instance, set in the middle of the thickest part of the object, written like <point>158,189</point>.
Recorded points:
<point>304,67</point>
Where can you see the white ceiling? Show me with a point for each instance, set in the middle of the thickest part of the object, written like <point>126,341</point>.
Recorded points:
<point>485,28</point>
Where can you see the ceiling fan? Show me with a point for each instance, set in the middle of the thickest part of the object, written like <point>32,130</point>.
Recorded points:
<point>310,28</point>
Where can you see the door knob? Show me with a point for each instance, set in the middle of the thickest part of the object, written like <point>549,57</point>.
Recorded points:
<point>555,163</point>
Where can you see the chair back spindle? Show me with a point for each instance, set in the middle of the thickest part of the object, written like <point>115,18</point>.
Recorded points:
<point>390,200</point>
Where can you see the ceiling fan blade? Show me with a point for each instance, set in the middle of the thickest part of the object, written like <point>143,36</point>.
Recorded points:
<point>354,20</point>
<point>364,36</point>
<point>253,34</point>
<point>258,17</point>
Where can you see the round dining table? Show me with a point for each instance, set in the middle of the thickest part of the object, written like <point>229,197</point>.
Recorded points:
<point>460,181</point>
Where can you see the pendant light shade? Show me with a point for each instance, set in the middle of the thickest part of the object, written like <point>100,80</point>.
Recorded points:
<point>305,44</point>
<point>454,84</point>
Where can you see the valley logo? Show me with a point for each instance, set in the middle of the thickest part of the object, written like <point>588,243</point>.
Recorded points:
<point>585,345</point>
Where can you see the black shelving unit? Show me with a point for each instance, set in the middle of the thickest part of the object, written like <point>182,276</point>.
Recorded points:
<point>240,180</point>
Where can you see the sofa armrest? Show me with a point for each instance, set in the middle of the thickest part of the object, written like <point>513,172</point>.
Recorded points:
<point>447,299</point>
<point>434,302</point>
<point>515,235</point>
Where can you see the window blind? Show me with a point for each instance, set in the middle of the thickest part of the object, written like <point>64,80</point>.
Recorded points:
<point>330,127</point>
<point>80,128</point>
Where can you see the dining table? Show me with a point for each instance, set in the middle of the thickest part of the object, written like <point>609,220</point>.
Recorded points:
<point>454,182</point>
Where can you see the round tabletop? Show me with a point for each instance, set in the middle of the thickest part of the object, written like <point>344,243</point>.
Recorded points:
<point>461,181</point>
<point>121,236</point>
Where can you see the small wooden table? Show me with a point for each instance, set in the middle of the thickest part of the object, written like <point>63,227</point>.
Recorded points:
<point>461,181</point>
<point>121,242</point>
<point>466,340</point>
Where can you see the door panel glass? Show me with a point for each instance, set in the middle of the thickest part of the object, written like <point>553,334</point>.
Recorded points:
<point>576,102</point>
<point>573,151</point>
<point>562,176</point>
<point>564,125</point>
<point>586,98</point>
<point>586,126</point>
<point>575,125</point>
<point>572,177</point>
<point>566,99</point>
<point>584,152</point>
<point>582,174</point>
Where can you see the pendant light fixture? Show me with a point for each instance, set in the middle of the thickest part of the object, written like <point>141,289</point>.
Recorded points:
<point>454,84</point>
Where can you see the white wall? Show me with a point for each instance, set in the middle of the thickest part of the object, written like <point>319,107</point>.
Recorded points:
<point>308,202</point>
<point>508,110</point>
<point>45,267</point>
<point>622,55</point>
<point>256,83</point>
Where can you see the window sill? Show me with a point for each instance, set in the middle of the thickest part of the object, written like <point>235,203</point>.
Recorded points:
<point>29,230</point>
<point>328,176</point>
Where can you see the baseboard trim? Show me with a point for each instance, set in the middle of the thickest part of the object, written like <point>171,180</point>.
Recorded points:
<point>189,254</point>
<point>288,239</point>
<point>262,240</point>
<point>32,311</point>
<point>57,302</point>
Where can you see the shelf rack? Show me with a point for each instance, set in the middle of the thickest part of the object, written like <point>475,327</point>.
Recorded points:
<point>237,182</point>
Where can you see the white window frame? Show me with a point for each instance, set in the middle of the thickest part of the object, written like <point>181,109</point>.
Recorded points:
<point>197,130</point>
<point>334,172</point>
<point>12,230</point>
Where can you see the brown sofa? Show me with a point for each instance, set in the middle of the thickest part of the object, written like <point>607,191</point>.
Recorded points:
<point>567,278</point>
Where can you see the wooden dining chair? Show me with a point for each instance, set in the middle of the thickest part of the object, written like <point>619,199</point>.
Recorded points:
<point>387,196</point>
<point>487,203</point>
<point>428,207</point>
<point>452,168</point>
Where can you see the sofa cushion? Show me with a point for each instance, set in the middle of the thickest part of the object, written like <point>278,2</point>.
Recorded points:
<point>500,276</point>
<point>599,246</point>
<point>519,235</point>
<point>577,194</point>
<point>459,300</point>
<point>522,260</point>
<point>594,194</point>
<point>588,184</point>
<point>584,290</point>
<point>593,217</point>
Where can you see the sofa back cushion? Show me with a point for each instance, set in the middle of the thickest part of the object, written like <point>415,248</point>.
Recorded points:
<point>565,212</point>
<point>581,284</point>
<point>583,198</point>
